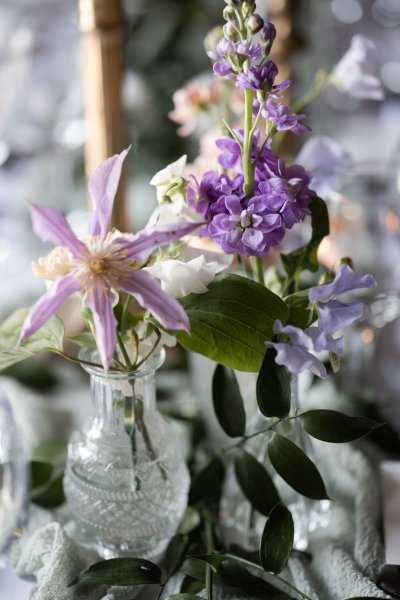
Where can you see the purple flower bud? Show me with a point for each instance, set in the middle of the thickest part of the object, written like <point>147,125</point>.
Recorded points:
<point>255,23</point>
<point>268,33</point>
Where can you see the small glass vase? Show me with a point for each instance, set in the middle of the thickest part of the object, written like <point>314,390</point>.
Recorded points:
<point>126,480</point>
<point>241,524</point>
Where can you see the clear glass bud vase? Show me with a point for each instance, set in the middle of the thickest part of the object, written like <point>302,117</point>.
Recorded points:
<point>126,481</point>
<point>241,524</point>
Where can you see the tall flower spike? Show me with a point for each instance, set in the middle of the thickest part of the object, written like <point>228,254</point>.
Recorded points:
<point>106,263</point>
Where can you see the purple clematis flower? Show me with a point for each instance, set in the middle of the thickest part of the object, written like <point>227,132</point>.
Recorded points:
<point>106,263</point>
<point>334,314</point>
<point>295,355</point>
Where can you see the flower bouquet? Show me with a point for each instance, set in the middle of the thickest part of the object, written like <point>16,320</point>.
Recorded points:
<point>126,482</point>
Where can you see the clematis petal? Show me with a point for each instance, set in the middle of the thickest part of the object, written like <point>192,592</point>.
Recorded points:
<point>103,186</point>
<point>50,225</point>
<point>148,293</point>
<point>48,304</point>
<point>297,359</point>
<point>335,315</point>
<point>142,244</point>
<point>346,280</point>
<point>100,301</point>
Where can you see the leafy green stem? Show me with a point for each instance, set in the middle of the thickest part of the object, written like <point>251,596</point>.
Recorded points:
<point>258,269</point>
<point>208,532</point>
<point>248,168</point>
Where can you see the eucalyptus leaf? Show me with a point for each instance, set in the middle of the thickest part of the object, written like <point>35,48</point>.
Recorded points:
<point>305,258</point>
<point>191,585</point>
<point>273,387</point>
<point>191,520</point>
<point>277,539</point>
<point>207,482</point>
<point>234,576</point>
<point>336,427</point>
<point>184,597</point>
<point>52,496</point>
<point>255,482</point>
<point>296,468</point>
<point>41,473</point>
<point>48,338</point>
<point>121,572</point>
<point>228,402</point>
<point>175,552</point>
<point>231,322</point>
<point>213,560</point>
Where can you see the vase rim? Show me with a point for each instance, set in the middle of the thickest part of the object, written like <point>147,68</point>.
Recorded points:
<point>151,364</point>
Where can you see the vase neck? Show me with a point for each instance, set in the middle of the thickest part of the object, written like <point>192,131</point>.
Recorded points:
<point>120,404</point>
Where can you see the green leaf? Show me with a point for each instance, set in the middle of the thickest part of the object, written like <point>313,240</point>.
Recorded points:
<point>121,571</point>
<point>305,258</point>
<point>51,497</point>
<point>207,482</point>
<point>335,427</point>
<point>273,387</point>
<point>277,539</point>
<point>84,339</point>
<point>228,402</point>
<point>214,560</point>
<point>233,576</point>
<point>41,473</point>
<point>192,586</point>
<point>175,552</point>
<point>302,311</point>
<point>184,597</point>
<point>190,521</point>
<point>255,483</point>
<point>48,338</point>
<point>294,466</point>
<point>231,322</point>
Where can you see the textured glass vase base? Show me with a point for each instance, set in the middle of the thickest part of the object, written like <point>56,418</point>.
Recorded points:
<point>122,523</point>
<point>149,549</point>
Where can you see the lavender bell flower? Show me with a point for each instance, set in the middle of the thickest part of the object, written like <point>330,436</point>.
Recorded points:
<point>353,72</point>
<point>334,314</point>
<point>106,263</point>
<point>295,355</point>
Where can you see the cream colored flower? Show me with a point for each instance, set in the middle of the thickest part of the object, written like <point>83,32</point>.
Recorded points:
<point>58,262</point>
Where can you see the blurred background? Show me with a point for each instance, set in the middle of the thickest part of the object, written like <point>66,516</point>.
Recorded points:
<point>43,133</point>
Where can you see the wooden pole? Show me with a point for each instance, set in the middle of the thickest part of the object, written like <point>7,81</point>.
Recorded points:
<point>103,31</point>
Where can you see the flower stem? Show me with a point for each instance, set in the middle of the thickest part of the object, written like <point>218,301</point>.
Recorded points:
<point>125,313</point>
<point>208,531</point>
<point>248,169</point>
<point>124,352</point>
<point>258,269</point>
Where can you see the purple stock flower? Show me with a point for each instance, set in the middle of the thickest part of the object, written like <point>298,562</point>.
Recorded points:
<point>247,228</point>
<point>268,32</point>
<point>229,56</point>
<point>283,117</point>
<point>258,78</point>
<point>295,355</point>
<point>231,153</point>
<point>208,196</point>
<point>334,314</point>
<point>106,263</point>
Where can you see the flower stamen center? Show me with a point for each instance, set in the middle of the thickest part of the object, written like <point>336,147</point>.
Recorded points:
<point>98,265</point>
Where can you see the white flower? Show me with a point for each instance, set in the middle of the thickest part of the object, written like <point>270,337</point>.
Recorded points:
<point>179,278</point>
<point>175,211</point>
<point>169,177</point>
<point>353,72</point>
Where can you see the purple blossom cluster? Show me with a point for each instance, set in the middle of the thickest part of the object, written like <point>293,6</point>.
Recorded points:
<point>250,225</point>
<point>281,116</point>
<point>230,57</point>
<point>333,315</point>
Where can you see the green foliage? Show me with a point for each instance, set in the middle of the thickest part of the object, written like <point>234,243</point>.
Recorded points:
<point>207,482</point>
<point>335,427</point>
<point>231,322</point>
<point>305,258</point>
<point>228,402</point>
<point>277,539</point>
<point>255,482</point>
<point>48,338</point>
<point>41,473</point>
<point>121,571</point>
<point>273,387</point>
<point>294,466</point>
<point>51,496</point>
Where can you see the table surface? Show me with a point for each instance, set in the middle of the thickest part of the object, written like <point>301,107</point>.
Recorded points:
<point>13,587</point>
